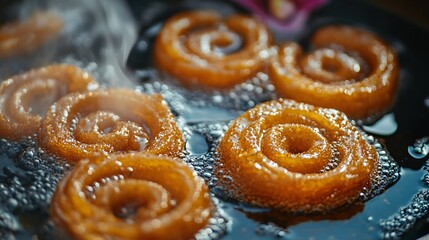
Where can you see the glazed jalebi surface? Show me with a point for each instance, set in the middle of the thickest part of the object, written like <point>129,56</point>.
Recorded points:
<point>21,37</point>
<point>85,125</point>
<point>201,49</point>
<point>132,196</point>
<point>25,98</point>
<point>349,69</point>
<point>295,157</point>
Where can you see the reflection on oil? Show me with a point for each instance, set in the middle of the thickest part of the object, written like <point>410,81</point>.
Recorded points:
<point>386,126</point>
<point>285,220</point>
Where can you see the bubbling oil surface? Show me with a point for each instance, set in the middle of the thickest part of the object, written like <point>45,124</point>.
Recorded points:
<point>27,182</point>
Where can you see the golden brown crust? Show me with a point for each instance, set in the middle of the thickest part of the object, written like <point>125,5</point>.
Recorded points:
<point>82,126</point>
<point>25,36</point>
<point>186,48</point>
<point>295,157</point>
<point>24,98</point>
<point>351,70</point>
<point>169,199</point>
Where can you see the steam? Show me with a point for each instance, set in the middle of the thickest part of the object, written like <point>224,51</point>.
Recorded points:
<point>97,36</point>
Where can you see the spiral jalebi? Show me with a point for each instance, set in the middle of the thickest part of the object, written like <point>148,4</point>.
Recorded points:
<point>295,157</point>
<point>349,69</point>
<point>132,196</point>
<point>102,122</point>
<point>25,98</point>
<point>203,50</point>
<point>21,37</point>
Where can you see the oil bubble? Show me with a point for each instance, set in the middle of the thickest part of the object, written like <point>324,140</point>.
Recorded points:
<point>30,177</point>
<point>420,148</point>
<point>240,98</point>
<point>398,224</point>
<point>8,222</point>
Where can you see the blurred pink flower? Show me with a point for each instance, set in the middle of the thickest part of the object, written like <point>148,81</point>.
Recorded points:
<point>282,15</point>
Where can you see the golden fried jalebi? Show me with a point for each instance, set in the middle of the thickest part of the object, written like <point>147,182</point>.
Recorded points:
<point>351,70</point>
<point>23,37</point>
<point>25,98</point>
<point>134,196</point>
<point>81,126</point>
<point>295,157</point>
<point>199,48</point>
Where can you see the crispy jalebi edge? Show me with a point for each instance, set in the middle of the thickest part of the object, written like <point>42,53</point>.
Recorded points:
<point>25,98</point>
<point>350,69</point>
<point>25,36</point>
<point>85,125</point>
<point>295,157</point>
<point>132,196</point>
<point>203,50</point>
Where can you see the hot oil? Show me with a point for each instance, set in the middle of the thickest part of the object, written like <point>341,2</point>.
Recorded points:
<point>207,115</point>
<point>28,175</point>
<point>187,102</point>
<point>27,182</point>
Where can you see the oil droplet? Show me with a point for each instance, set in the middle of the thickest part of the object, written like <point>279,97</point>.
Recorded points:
<point>420,148</point>
<point>386,126</point>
